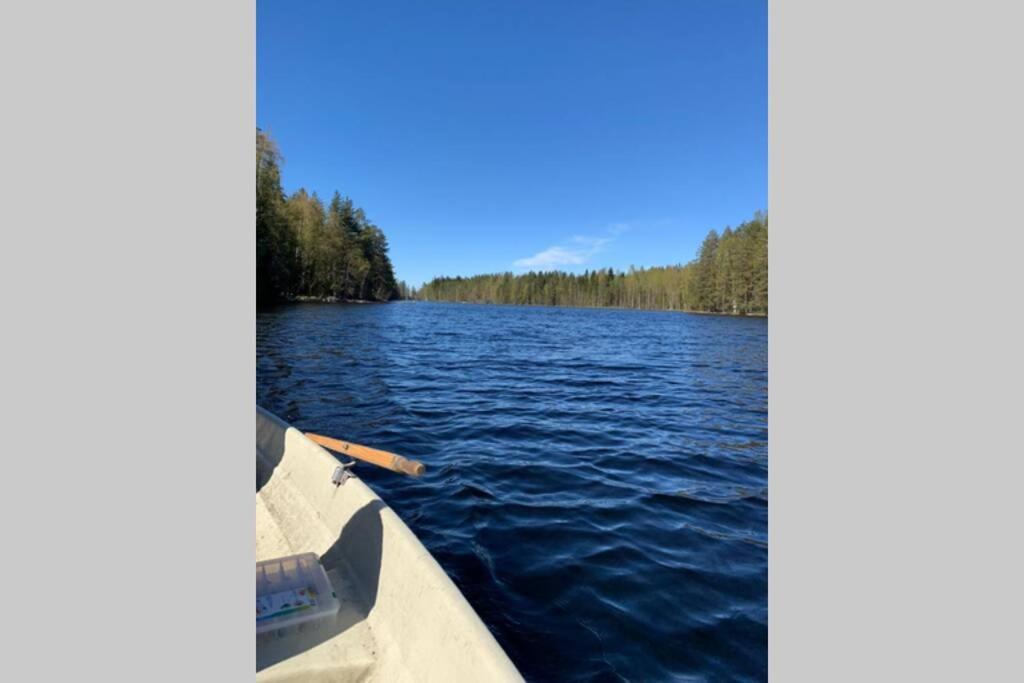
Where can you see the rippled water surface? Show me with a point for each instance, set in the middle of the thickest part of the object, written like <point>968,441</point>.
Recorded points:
<point>597,479</point>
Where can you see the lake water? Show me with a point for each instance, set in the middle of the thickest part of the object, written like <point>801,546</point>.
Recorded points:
<point>596,479</point>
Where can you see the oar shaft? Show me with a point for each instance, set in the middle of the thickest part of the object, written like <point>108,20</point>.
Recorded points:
<point>389,461</point>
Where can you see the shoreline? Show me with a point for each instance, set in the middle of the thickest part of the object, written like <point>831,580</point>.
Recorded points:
<point>320,300</point>
<point>335,300</point>
<point>327,300</point>
<point>589,308</point>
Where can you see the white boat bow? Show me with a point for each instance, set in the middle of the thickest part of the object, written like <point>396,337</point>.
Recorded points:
<point>401,617</point>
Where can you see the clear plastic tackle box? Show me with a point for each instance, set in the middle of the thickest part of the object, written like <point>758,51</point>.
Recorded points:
<point>293,594</point>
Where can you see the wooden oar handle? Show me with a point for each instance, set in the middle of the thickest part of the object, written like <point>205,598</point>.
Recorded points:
<point>388,461</point>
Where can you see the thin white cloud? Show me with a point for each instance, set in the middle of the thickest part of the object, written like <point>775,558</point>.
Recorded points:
<point>553,257</point>
<point>574,252</point>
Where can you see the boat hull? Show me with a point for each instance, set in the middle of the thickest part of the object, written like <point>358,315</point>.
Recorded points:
<point>402,618</point>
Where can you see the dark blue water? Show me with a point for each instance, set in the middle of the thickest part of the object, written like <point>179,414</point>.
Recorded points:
<point>597,479</point>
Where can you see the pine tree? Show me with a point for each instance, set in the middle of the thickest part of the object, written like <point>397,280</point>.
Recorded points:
<point>274,244</point>
<point>705,278</point>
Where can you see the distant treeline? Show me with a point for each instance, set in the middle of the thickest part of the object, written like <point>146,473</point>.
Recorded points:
<point>729,275</point>
<point>306,250</point>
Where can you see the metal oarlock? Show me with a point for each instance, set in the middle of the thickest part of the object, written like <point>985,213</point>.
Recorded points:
<point>342,473</point>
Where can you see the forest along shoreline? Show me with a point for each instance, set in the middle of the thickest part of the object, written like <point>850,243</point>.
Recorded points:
<point>309,252</point>
<point>305,250</point>
<point>729,276</point>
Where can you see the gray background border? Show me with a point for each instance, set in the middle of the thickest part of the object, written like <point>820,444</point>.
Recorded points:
<point>128,348</point>
<point>894,343</point>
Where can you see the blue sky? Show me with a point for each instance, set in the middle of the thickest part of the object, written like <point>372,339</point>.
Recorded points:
<point>492,136</point>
